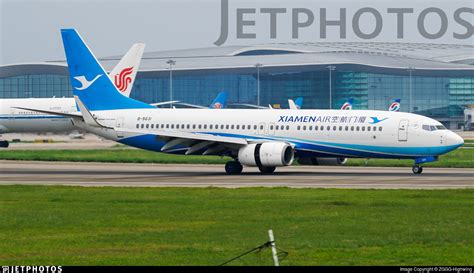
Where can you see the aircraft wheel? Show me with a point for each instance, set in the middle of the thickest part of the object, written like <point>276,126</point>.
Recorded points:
<point>4,144</point>
<point>233,167</point>
<point>266,170</point>
<point>417,169</point>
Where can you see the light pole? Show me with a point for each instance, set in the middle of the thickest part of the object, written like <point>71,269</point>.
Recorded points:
<point>330,68</point>
<point>410,71</point>
<point>258,65</point>
<point>171,63</point>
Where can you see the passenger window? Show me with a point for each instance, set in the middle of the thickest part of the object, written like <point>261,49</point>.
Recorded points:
<point>352,128</point>
<point>255,127</point>
<point>368,128</point>
<point>347,128</point>
<point>210,127</point>
<point>194,126</point>
<point>322,128</point>
<point>304,128</point>
<point>310,128</point>
<point>232,127</point>
<point>287,127</point>
<point>357,128</point>
<point>205,126</point>
<point>340,128</point>
<point>172,126</point>
<point>316,128</point>
<point>261,127</point>
<point>237,127</point>
<point>152,126</point>
<point>298,127</point>
<point>380,128</point>
<point>227,127</point>
<point>271,127</point>
<point>334,128</point>
<point>363,128</point>
<point>222,126</point>
<point>138,126</point>
<point>328,128</point>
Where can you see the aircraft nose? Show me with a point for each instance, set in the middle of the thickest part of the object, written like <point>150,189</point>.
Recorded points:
<point>454,139</point>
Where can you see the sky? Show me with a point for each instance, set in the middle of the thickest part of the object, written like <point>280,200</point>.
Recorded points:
<point>29,29</point>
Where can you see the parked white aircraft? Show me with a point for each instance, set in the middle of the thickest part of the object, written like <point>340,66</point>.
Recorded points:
<point>17,120</point>
<point>262,138</point>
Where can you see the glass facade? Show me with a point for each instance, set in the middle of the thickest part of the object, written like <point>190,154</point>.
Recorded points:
<point>442,98</point>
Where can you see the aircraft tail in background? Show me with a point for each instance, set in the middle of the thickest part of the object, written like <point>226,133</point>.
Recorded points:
<point>394,106</point>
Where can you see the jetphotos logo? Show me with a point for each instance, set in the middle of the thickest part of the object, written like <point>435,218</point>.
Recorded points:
<point>403,21</point>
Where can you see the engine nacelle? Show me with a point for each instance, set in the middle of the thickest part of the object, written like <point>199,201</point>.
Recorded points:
<point>268,154</point>
<point>322,161</point>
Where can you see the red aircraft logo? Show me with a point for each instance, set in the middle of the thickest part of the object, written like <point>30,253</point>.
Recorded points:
<point>123,79</point>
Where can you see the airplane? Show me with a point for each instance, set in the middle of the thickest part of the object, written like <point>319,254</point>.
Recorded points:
<point>262,138</point>
<point>295,104</point>
<point>219,102</point>
<point>13,119</point>
<point>348,105</point>
<point>395,106</point>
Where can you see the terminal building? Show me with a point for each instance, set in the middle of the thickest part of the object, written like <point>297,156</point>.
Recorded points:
<point>435,80</point>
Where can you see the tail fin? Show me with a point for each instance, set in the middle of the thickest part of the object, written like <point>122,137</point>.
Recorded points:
<point>220,101</point>
<point>295,104</point>
<point>124,73</point>
<point>348,104</point>
<point>394,106</point>
<point>89,79</point>
<point>299,102</point>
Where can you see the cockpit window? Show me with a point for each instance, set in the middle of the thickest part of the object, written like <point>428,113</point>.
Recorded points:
<point>433,127</point>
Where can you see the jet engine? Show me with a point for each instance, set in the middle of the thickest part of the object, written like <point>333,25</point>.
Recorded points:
<point>322,161</point>
<point>268,154</point>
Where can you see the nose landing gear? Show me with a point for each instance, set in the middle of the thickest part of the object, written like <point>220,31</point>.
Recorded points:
<point>417,169</point>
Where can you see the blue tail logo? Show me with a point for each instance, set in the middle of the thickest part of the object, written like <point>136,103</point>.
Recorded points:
<point>376,120</point>
<point>84,82</point>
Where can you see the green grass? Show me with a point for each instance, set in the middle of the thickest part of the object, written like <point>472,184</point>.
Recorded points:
<point>461,158</point>
<point>190,226</point>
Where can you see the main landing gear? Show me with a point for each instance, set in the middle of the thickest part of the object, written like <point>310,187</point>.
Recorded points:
<point>266,170</point>
<point>417,169</point>
<point>233,167</point>
<point>4,144</point>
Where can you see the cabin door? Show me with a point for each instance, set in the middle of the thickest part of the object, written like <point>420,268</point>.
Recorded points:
<point>403,130</point>
<point>119,124</point>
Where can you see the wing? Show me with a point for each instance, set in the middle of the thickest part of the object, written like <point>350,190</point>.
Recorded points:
<point>196,143</point>
<point>71,115</point>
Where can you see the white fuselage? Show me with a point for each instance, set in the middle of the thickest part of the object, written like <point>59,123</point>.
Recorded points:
<point>14,120</point>
<point>356,133</point>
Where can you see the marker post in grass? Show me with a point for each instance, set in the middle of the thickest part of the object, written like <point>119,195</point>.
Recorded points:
<point>274,250</point>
